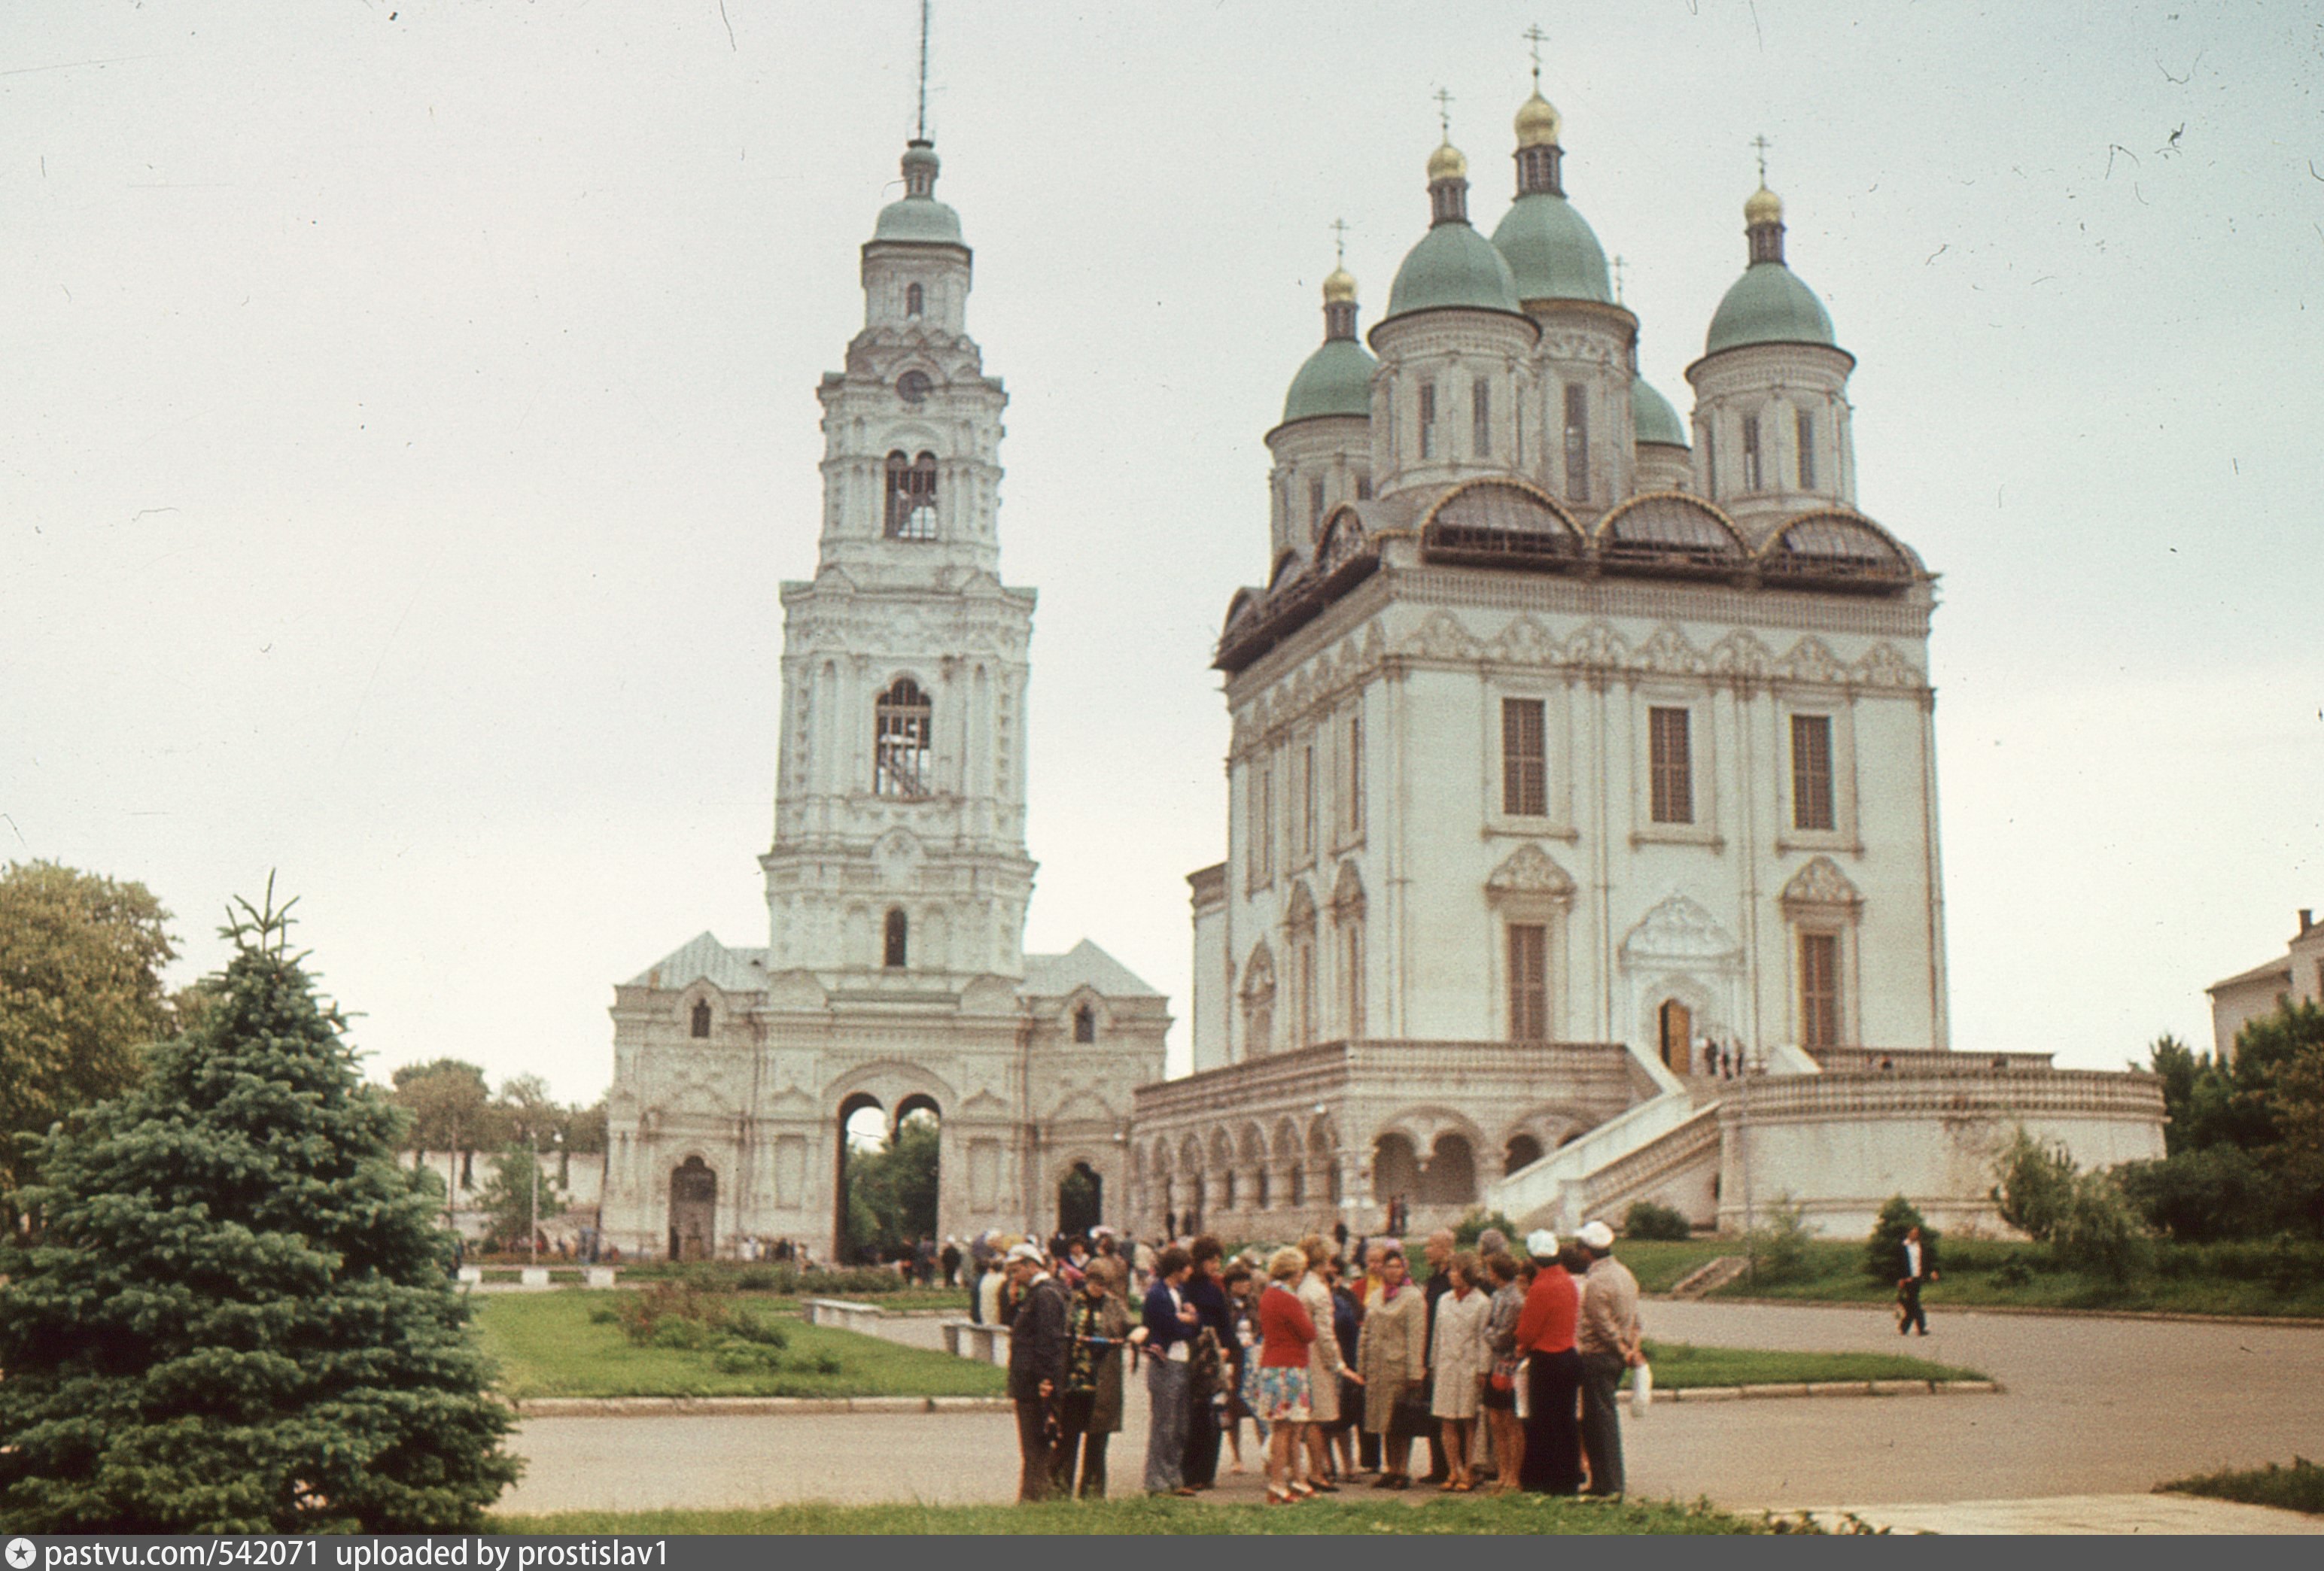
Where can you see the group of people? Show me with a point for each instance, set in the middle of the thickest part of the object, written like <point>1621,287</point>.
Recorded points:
<point>1340,1359</point>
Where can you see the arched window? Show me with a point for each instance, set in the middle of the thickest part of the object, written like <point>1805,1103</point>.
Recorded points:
<point>1084,1023</point>
<point>899,932</point>
<point>911,497</point>
<point>902,732</point>
<point>912,299</point>
<point>702,1017</point>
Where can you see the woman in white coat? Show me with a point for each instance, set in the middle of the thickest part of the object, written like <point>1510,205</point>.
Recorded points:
<point>1458,1362</point>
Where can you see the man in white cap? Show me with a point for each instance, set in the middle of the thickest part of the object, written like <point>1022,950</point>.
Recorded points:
<point>1034,1314</point>
<point>1608,1340</point>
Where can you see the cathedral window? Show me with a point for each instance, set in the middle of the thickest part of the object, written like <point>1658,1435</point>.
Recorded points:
<point>1262,824</point>
<point>1577,441</point>
<point>1352,976</point>
<point>1528,981</point>
<point>1481,412</point>
<point>896,949</point>
<point>1751,466</point>
<point>1364,488</point>
<point>1525,763</point>
<point>1086,1025</point>
<point>1354,821</point>
<point>1428,420</point>
<point>1812,771</point>
<point>1710,462</point>
<point>911,497</point>
<point>901,734</point>
<point>1303,802</point>
<point>1314,507</point>
<point>912,299</point>
<point>1670,769</point>
<point>1819,990</point>
<point>1805,428</point>
<point>701,1022</point>
<point>913,387</point>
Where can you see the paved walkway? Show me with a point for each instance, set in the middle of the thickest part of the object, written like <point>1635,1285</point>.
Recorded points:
<point>2112,1514</point>
<point>2091,1409</point>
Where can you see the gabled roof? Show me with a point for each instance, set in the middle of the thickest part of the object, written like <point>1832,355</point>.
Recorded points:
<point>703,958</point>
<point>1084,965</point>
<point>2270,971</point>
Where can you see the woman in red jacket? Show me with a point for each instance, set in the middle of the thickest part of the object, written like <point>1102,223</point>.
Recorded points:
<point>1552,1311</point>
<point>1284,1329</point>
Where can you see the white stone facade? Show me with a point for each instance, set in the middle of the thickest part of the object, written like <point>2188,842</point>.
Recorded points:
<point>897,885</point>
<point>2297,975</point>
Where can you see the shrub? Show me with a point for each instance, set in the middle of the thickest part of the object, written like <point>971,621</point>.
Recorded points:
<point>2100,1232</point>
<point>1778,1247</point>
<point>1470,1227</point>
<point>1646,1220</point>
<point>1896,1217</point>
<point>2013,1274</point>
<point>2220,1191</point>
<point>2036,1185</point>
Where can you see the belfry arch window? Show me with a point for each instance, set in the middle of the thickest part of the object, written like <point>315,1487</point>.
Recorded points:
<point>896,940</point>
<point>902,727</point>
<point>701,1022</point>
<point>911,497</point>
<point>913,299</point>
<point>1086,1025</point>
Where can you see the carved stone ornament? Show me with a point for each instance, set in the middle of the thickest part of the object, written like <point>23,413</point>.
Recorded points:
<point>1677,929</point>
<point>1348,892</point>
<point>1530,870</point>
<point>1442,638</point>
<point>1525,642</point>
<point>1668,653</point>
<point>1299,911</point>
<point>1883,667</point>
<point>1597,644</point>
<point>1811,661</point>
<point>1821,884</point>
<point>1258,976</point>
<point>1742,654</point>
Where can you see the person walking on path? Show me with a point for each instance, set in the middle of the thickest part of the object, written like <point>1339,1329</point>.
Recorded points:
<point>1323,1364</point>
<point>1916,1265</point>
<point>1166,1332</point>
<point>1457,1366</point>
<point>1499,1398</point>
<point>1089,1403</point>
<point>1391,1358</point>
<point>1034,1314</point>
<point>1545,1335</point>
<point>1607,1338</point>
<point>1281,1395</point>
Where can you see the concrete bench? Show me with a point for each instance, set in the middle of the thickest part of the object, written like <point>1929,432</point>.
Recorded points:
<point>472,1276</point>
<point>534,1276</point>
<point>840,1312</point>
<point>597,1276</point>
<point>970,1340</point>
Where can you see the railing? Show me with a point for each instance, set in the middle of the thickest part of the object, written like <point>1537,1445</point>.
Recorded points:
<point>1543,1185</point>
<point>1310,1072</point>
<point>1968,1092</point>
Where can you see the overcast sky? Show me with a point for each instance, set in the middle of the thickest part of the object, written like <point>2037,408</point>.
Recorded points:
<point>407,417</point>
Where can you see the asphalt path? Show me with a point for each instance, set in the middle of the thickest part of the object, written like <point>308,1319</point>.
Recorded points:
<point>2089,1407</point>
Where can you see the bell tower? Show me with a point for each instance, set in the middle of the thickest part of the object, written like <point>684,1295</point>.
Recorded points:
<point>898,860</point>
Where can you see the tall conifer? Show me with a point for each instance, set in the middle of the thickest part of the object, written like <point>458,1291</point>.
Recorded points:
<point>232,1312</point>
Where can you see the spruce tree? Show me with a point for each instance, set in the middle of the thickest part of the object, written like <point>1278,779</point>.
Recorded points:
<point>230,1311</point>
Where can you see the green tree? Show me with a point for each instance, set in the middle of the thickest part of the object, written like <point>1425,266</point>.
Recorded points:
<point>891,1194</point>
<point>80,994</point>
<point>235,1313</point>
<point>2178,1067</point>
<point>528,1114</point>
<point>1778,1247</point>
<point>450,1107</point>
<point>1896,1215</point>
<point>507,1200</point>
<point>2035,1186</point>
<point>585,1128</point>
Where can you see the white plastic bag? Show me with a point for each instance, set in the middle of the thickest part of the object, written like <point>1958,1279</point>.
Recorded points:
<point>1642,1388</point>
<point>1525,1388</point>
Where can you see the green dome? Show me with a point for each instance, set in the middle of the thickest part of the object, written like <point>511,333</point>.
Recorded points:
<point>1768,305</point>
<point>918,221</point>
<point>1452,265</point>
<point>1552,250</point>
<point>1652,415</point>
<point>1337,380</point>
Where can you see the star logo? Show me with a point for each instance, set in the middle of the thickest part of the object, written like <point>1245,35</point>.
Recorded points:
<point>20,1553</point>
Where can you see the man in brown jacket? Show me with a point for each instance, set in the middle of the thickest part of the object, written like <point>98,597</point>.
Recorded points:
<point>1607,1339</point>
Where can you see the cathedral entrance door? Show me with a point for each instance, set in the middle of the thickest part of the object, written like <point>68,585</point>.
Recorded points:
<point>693,1210</point>
<point>1677,1037</point>
<point>1081,1200</point>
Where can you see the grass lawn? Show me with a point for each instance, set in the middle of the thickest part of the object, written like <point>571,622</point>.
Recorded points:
<point>546,1345</point>
<point>1678,1365</point>
<point>1518,1513</point>
<point>2298,1487</point>
<point>2190,1280</point>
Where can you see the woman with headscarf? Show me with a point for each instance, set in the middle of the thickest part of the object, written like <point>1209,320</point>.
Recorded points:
<point>1391,1358</point>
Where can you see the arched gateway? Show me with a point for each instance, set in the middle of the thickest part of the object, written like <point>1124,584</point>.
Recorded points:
<point>898,881</point>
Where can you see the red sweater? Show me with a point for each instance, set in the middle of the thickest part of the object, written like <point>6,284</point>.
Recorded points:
<point>1285,1328</point>
<point>1552,1312</point>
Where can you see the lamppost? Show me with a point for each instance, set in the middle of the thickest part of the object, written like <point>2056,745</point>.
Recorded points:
<point>532,1238</point>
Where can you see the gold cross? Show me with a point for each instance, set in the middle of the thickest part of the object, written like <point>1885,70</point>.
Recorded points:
<point>1339,242</point>
<point>1617,281</point>
<point>1761,144</point>
<point>1444,112</point>
<point>1535,36</point>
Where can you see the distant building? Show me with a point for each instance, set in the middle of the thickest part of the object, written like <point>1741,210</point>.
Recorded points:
<point>2297,975</point>
<point>893,976</point>
<point>1579,750</point>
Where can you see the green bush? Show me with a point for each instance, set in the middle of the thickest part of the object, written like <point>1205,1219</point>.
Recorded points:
<point>2098,1233</point>
<point>2013,1274</point>
<point>2036,1185</point>
<point>1472,1226</point>
<point>2298,1487</point>
<point>1896,1217</point>
<point>2220,1191</point>
<point>1778,1247</point>
<point>1646,1220</point>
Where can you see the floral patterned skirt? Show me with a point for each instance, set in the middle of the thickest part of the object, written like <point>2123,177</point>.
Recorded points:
<point>1282,1395</point>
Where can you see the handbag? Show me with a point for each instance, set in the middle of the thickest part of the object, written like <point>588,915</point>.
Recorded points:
<point>1525,1388</point>
<point>1410,1421</point>
<point>1642,1388</point>
<point>1504,1375</point>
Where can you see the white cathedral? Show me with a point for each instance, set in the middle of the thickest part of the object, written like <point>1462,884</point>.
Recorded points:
<point>1582,837</point>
